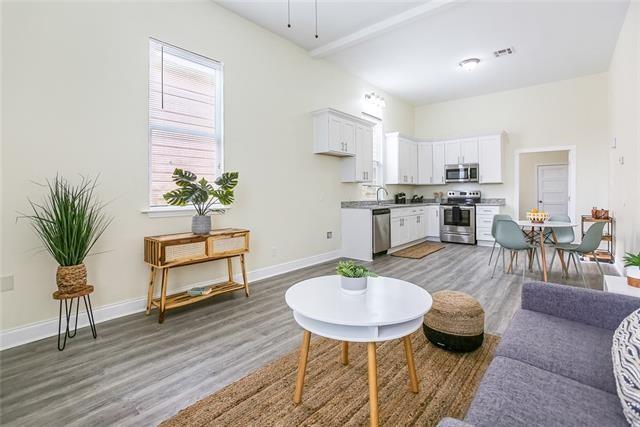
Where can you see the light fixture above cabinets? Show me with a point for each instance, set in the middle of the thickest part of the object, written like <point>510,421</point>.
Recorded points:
<point>375,100</point>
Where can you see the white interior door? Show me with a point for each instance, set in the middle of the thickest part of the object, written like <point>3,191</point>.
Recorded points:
<point>553,189</point>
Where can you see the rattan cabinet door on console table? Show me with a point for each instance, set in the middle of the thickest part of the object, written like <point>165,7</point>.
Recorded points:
<point>178,250</point>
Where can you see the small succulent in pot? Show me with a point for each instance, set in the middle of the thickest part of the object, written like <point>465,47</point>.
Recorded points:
<point>632,264</point>
<point>202,195</point>
<point>353,278</point>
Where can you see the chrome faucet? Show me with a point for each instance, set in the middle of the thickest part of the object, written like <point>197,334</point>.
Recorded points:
<point>378,193</point>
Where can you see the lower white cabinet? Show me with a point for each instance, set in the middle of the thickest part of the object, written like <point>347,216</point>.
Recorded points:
<point>484,221</point>
<point>432,214</point>
<point>410,224</point>
<point>400,231</point>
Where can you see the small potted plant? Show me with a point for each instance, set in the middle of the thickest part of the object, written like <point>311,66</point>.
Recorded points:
<point>202,195</point>
<point>632,264</point>
<point>353,277</point>
<point>69,222</point>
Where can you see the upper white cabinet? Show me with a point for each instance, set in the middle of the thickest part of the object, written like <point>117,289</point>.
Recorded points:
<point>461,151</point>
<point>335,132</point>
<point>438,162</point>
<point>401,160</point>
<point>360,167</point>
<point>452,152</point>
<point>490,159</point>
<point>469,150</point>
<point>425,163</point>
<point>411,161</point>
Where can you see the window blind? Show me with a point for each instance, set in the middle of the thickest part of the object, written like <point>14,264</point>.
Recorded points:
<point>185,117</point>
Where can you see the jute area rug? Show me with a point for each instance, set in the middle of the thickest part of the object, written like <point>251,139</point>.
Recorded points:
<point>418,251</point>
<point>337,395</point>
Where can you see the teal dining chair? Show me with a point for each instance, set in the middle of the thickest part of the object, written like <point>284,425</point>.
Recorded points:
<point>496,218</point>
<point>588,246</point>
<point>563,235</point>
<point>510,237</point>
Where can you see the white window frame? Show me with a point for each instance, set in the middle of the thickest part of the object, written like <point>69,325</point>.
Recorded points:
<point>369,190</point>
<point>168,210</point>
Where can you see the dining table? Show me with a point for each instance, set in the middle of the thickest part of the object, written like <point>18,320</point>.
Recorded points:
<point>540,227</point>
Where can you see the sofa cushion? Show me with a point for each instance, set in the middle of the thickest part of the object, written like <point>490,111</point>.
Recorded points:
<point>575,350</point>
<point>513,393</point>
<point>626,366</point>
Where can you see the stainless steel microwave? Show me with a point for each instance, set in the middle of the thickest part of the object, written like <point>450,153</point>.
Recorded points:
<point>461,173</point>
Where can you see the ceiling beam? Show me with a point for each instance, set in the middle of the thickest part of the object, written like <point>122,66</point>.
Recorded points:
<point>388,24</point>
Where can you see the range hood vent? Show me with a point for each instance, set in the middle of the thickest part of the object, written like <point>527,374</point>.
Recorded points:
<point>504,52</point>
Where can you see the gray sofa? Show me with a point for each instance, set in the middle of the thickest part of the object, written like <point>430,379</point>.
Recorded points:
<point>553,364</point>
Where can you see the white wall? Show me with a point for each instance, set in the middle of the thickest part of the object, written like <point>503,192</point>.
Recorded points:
<point>624,104</point>
<point>528,182</point>
<point>75,102</point>
<point>568,112</point>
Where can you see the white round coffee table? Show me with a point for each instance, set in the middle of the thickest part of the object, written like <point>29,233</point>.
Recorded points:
<point>390,309</point>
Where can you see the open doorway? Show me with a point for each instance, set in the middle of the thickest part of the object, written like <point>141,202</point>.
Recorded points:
<point>545,180</point>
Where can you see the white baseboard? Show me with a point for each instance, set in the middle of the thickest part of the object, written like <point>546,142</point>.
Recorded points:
<point>36,331</point>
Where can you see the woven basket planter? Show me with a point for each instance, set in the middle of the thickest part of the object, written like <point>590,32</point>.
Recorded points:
<point>72,278</point>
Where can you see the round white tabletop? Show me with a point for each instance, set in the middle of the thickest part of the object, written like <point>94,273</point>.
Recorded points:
<point>389,309</point>
<point>556,224</point>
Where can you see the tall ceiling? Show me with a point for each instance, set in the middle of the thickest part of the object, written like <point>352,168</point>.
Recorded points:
<point>412,49</point>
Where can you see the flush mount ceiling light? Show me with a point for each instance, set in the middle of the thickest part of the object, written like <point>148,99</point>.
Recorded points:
<point>375,99</point>
<point>469,64</point>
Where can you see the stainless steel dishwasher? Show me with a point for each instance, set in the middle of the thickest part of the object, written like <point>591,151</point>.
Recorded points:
<point>381,230</point>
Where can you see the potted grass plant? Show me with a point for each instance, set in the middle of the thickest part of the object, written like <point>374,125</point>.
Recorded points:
<point>202,195</point>
<point>69,221</point>
<point>632,269</point>
<point>353,277</point>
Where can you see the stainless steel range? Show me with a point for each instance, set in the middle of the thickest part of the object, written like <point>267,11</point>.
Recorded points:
<point>458,217</point>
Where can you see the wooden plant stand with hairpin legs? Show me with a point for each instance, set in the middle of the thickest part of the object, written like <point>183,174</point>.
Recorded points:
<point>178,250</point>
<point>67,298</point>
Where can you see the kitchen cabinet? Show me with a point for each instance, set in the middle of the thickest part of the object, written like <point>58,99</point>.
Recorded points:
<point>432,217</point>
<point>425,163</point>
<point>469,150</point>
<point>335,132</point>
<point>484,221</point>
<point>400,233</point>
<point>360,167</point>
<point>408,224</point>
<point>401,160</point>
<point>438,162</point>
<point>490,159</point>
<point>461,151</point>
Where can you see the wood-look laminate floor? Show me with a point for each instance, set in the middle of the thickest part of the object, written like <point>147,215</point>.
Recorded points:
<point>140,373</point>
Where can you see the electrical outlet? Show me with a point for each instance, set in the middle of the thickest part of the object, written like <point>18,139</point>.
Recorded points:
<point>329,234</point>
<point>274,252</point>
<point>6,283</point>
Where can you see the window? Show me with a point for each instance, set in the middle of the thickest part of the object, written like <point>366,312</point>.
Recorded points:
<point>369,189</point>
<point>185,117</point>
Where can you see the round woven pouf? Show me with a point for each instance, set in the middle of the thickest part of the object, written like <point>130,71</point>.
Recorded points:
<point>455,321</point>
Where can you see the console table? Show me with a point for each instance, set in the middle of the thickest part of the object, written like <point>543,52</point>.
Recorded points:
<point>178,250</point>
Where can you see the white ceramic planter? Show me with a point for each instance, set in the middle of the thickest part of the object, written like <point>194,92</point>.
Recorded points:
<point>633,276</point>
<point>353,286</point>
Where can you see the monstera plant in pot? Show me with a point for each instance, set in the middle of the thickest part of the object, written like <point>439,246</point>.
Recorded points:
<point>202,195</point>
<point>69,222</point>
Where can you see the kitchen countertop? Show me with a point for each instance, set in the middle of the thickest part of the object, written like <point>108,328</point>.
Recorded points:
<point>389,204</point>
<point>371,204</point>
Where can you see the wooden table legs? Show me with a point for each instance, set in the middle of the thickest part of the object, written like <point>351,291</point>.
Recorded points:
<point>411,367</point>
<point>163,295</point>
<point>372,365</point>
<point>543,256</point>
<point>302,366</point>
<point>345,352</point>
<point>373,384</point>
<point>152,277</point>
